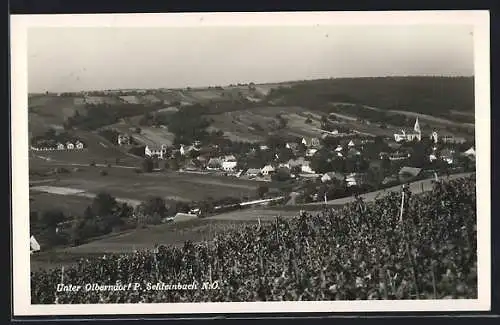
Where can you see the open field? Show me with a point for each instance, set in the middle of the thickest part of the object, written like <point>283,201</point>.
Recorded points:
<point>254,125</point>
<point>128,185</point>
<point>51,111</point>
<point>130,99</point>
<point>155,136</point>
<point>70,205</point>
<point>432,120</point>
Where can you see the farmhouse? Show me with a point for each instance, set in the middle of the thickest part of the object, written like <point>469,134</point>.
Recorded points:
<point>60,146</point>
<point>332,176</point>
<point>156,151</point>
<point>123,139</point>
<point>252,172</point>
<point>355,179</point>
<point>229,158</point>
<point>185,150</point>
<point>306,168</point>
<point>263,147</point>
<point>266,170</point>
<point>79,145</point>
<point>229,166</point>
<point>70,145</point>
<point>409,136</point>
<point>470,153</point>
<point>214,164</point>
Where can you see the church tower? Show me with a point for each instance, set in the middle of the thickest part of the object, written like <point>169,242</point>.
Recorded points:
<point>416,128</point>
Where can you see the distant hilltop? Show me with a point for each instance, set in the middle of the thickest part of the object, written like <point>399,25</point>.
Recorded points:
<point>247,84</point>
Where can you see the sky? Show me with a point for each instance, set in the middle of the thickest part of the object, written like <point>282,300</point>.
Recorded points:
<point>96,58</point>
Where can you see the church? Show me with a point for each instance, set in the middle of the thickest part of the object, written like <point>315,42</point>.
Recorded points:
<point>409,136</point>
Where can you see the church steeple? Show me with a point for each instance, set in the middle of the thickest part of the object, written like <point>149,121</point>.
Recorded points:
<point>417,126</point>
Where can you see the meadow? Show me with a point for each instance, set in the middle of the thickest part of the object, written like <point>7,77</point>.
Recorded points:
<point>172,186</point>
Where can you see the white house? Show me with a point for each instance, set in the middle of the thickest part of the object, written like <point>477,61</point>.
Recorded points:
<point>410,136</point>
<point>155,151</point>
<point>60,146</point>
<point>264,147</point>
<point>70,145</point>
<point>351,144</point>
<point>79,145</point>
<point>229,158</point>
<point>266,170</point>
<point>123,139</point>
<point>311,152</point>
<point>434,137</point>
<point>353,179</point>
<point>34,245</point>
<point>214,164</point>
<point>284,165</point>
<point>339,148</point>
<point>183,150</point>
<point>470,153</point>
<point>252,172</point>
<point>229,166</point>
<point>306,168</point>
<point>332,176</point>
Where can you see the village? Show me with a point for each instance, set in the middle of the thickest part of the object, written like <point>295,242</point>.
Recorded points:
<point>331,166</point>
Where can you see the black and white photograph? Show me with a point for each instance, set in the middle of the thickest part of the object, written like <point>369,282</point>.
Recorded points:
<point>250,162</point>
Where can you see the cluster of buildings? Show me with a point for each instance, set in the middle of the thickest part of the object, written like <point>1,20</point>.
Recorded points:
<point>51,145</point>
<point>416,135</point>
<point>303,151</point>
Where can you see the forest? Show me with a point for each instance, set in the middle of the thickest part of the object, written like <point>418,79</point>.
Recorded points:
<point>435,96</point>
